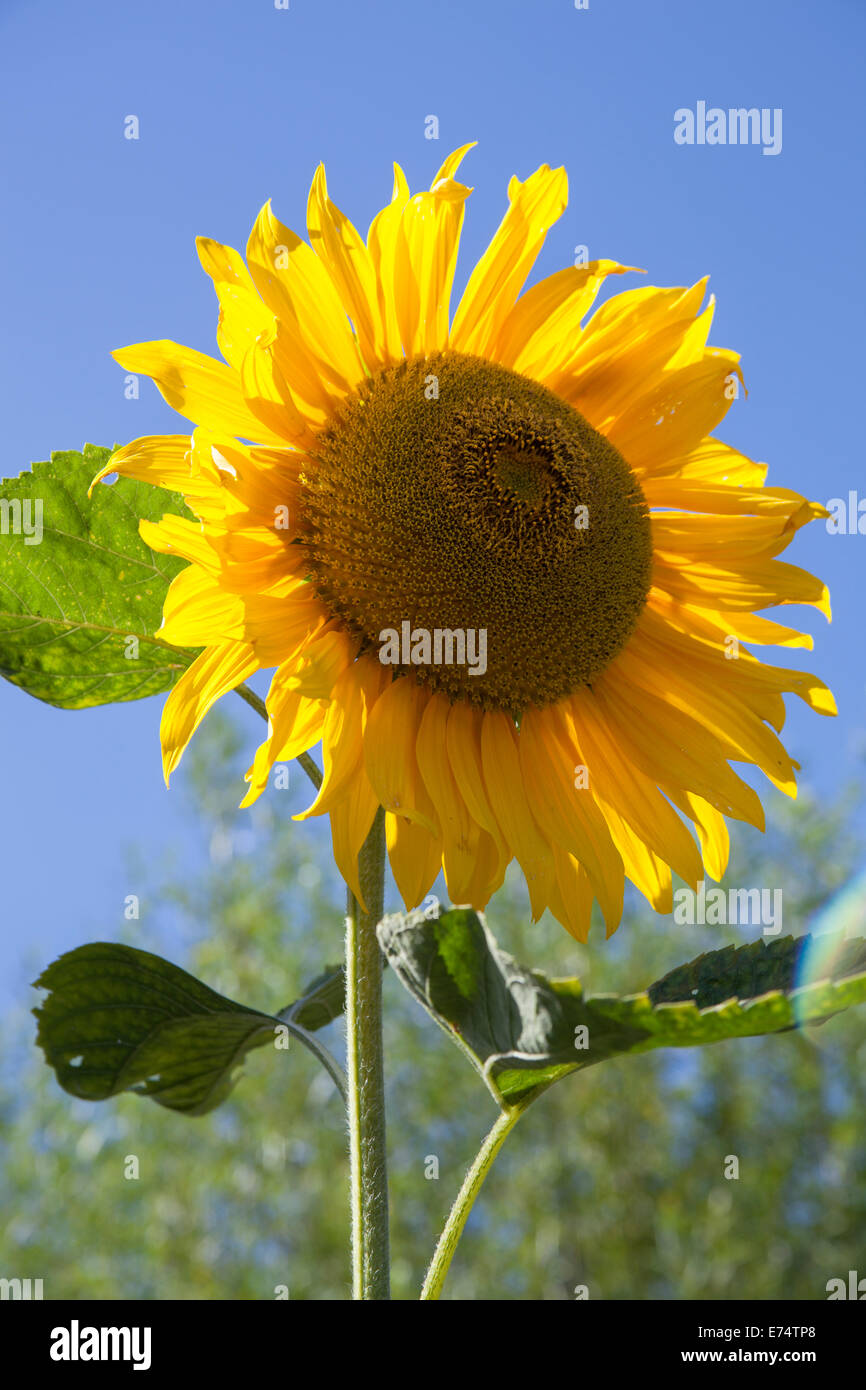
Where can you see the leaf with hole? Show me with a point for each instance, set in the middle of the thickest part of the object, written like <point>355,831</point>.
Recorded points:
<point>119,1019</point>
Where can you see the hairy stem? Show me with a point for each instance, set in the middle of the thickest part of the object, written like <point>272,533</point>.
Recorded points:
<point>364,1065</point>
<point>465,1198</point>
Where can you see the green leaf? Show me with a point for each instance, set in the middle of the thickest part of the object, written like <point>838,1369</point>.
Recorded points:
<point>322,1001</point>
<point>119,1019</point>
<point>83,583</point>
<point>522,1030</point>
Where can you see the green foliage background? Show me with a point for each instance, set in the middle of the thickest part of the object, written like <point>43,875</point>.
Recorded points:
<point>614,1179</point>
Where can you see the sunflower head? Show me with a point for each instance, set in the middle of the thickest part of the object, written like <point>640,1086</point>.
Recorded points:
<point>454,494</point>
<point>499,563</point>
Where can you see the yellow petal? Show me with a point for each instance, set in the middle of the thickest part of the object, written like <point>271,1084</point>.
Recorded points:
<point>646,869</point>
<point>681,636</point>
<point>211,675</point>
<point>673,750</point>
<point>696,495</point>
<point>269,398</point>
<point>295,725</point>
<point>711,461</point>
<point>197,387</point>
<point>739,733</point>
<point>341,248</point>
<point>755,584</point>
<point>243,316</point>
<point>297,288</point>
<point>382,245</point>
<point>351,819</point>
<point>712,832</point>
<point>166,460</point>
<point>674,413</point>
<point>501,273</point>
<point>176,535</point>
<point>463,740</point>
<point>322,663</point>
<point>461,835</point>
<point>451,163</point>
<point>748,627</point>
<point>624,348</point>
<point>198,612</point>
<point>566,815</point>
<point>353,696</point>
<point>415,855</point>
<point>571,895</point>
<point>260,488</point>
<point>389,752</point>
<point>537,335</point>
<point>416,241</point>
<point>278,628</point>
<point>720,539</point>
<point>489,872</point>
<point>426,258</point>
<point>616,783</point>
<point>503,781</point>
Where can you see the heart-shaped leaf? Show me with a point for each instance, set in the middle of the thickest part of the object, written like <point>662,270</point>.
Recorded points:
<point>81,594</point>
<point>119,1019</point>
<point>522,1030</point>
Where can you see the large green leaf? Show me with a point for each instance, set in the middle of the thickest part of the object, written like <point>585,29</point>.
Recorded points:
<point>522,1030</point>
<point>119,1019</point>
<point>72,599</point>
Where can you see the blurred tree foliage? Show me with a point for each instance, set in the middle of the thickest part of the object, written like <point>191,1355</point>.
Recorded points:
<point>615,1179</point>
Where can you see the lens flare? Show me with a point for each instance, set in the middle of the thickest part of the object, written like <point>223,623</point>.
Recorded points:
<point>833,948</point>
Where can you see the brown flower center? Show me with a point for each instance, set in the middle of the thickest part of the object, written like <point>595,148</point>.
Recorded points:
<point>456,497</point>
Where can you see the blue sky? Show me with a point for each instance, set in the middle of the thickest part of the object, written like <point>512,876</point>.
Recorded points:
<point>237,102</point>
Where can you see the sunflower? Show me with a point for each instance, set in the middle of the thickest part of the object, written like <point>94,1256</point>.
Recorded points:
<point>504,572</point>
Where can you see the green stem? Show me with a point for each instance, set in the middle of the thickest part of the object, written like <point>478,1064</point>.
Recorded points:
<point>364,1065</point>
<point>257,703</point>
<point>465,1198</point>
<point>319,1051</point>
<point>365,1081</point>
